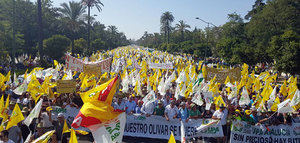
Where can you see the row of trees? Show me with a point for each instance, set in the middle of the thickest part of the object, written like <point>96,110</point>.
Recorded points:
<point>19,32</point>
<point>269,33</point>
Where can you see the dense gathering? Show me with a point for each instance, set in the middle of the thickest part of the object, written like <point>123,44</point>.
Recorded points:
<point>142,82</point>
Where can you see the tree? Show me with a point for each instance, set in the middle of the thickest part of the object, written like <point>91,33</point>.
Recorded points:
<point>166,20</point>
<point>80,46</point>
<point>56,46</point>
<point>91,3</point>
<point>275,17</point>
<point>98,44</point>
<point>182,28</point>
<point>40,33</point>
<point>72,19</point>
<point>285,51</point>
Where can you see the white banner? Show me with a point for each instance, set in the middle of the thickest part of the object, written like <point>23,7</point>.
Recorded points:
<point>158,127</point>
<point>241,132</point>
<point>111,132</point>
<point>160,65</point>
<point>76,64</point>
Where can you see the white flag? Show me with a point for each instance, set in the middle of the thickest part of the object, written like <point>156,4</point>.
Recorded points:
<point>150,97</point>
<point>182,131</point>
<point>197,99</point>
<point>34,113</point>
<point>45,137</point>
<point>21,89</point>
<point>244,100</point>
<point>111,132</point>
<point>285,107</point>
<point>296,99</point>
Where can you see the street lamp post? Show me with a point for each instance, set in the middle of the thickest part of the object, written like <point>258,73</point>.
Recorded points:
<point>206,34</point>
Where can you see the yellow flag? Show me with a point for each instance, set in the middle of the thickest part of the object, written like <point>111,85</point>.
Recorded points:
<point>283,89</point>
<point>227,80</point>
<point>7,77</point>
<point>172,138</point>
<point>204,72</point>
<point>55,63</point>
<point>1,105</point>
<point>3,113</point>
<point>15,117</point>
<point>274,106</point>
<point>65,128</point>
<point>73,138</point>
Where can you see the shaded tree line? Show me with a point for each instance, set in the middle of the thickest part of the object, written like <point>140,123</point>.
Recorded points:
<point>269,33</point>
<point>70,27</point>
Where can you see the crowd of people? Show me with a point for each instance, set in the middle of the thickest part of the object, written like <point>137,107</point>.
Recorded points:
<point>169,100</point>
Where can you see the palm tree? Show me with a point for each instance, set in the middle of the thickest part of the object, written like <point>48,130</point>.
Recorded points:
<point>165,20</point>
<point>112,31</point>
<point>90,3</point>
<point>72,17</point>
<point>182,27</point>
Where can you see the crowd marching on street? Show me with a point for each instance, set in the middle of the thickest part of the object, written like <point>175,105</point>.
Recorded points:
<point>143,82</point>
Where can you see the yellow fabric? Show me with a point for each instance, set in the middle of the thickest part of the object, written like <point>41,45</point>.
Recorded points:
<point>274,106</point>
<point>65,128</point>
<point>172,138</point>
<point>92,107</point>
<point>283,89</point>
<point>227,80</point>
<point>15,117</point>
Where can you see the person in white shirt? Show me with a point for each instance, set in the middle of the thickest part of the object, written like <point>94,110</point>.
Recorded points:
<point>130,105</point>
<point>4,137</point>
<point>221,115</point>
<point>171,111</point>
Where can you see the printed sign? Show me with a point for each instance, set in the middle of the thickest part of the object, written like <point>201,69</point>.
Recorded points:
<point>221,74</point>
<point>66,86</point>
<point>104,65</point>
<point>158,127</point>
<point>92,69</point>
<point>241,132</point>
<point>161,65</point>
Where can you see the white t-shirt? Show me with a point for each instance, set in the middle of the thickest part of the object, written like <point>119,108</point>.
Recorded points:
<point>221,115</point>
<point>148,108</point>
<point>171,112</point>
<point>45,120</point>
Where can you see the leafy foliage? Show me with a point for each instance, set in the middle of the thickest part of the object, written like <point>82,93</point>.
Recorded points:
<point>271,35</point>
<point>56,46</point>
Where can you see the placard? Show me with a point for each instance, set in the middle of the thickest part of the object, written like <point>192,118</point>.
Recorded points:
<point>66,86</point>
<point>221,74</point>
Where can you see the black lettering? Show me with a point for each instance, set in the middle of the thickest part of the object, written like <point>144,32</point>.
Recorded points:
<point>150,129</point>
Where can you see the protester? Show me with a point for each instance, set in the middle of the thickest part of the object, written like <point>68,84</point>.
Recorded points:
<point>130,105</point>
<point>4,137</point>
<point>250,100</point>
<point>171,111</point>
<point>159,110</point>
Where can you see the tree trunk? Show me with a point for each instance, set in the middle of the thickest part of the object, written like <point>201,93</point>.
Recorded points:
<point>72,46</point>
<point>182,36</point>
<point>40,34</point>
<point>13,53</point>
<point>89,28</point>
